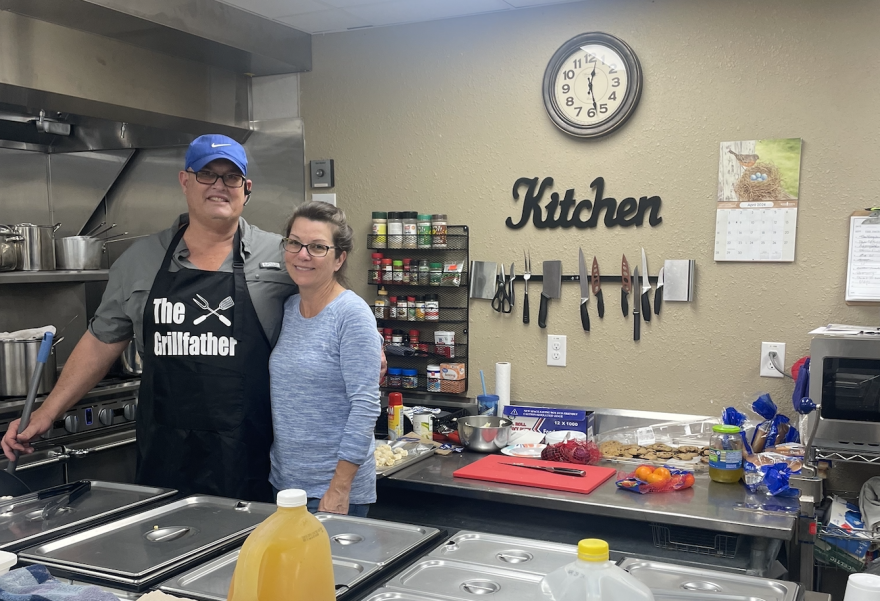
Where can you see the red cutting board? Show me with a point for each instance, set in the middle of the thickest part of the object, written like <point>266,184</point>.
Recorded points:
<point>490,468</point>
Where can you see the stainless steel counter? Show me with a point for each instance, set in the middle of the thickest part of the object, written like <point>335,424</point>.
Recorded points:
<point>708,505</point>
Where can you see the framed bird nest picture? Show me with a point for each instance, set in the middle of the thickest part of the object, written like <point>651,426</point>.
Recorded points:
<point>758,184</point>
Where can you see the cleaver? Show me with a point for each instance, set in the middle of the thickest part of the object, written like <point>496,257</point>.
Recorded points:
<point>552,288</point>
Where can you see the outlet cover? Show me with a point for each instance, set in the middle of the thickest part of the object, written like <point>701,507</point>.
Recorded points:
<point>767,369</point>
<point>556,350</point>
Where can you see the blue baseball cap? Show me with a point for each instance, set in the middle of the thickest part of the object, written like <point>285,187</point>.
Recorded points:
<point>211,147</point>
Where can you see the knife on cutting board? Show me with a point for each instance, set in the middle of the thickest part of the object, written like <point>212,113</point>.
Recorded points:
<point>552,288</point>
<point>646,289</point>
<point>565,471</point>
<point>585,290</point>
<point>637,327</point>
<point>597,288</point>
<point>625,286</point>
<point>658,292</point>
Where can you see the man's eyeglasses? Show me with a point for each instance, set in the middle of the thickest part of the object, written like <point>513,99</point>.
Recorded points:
<point>315,250</point>
<point>230,180</point>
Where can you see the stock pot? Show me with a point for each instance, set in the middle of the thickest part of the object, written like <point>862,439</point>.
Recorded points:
<point>38,246</point>
<point>79,252</point>
<point>10,249</point>
<point>18,358</point>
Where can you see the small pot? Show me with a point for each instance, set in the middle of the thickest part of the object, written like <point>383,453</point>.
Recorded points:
<point>79,252</point>
<point>38,250</point>
<point>10,249</point>
<point>484,433</point>
<point>18,358</point>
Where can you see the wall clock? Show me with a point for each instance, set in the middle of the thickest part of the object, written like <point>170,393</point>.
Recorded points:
<point>592,85</point>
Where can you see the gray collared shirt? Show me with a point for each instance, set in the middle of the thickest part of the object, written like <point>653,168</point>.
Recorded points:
<point>121,313</point>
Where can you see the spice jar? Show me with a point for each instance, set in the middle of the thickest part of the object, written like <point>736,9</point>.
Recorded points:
<point>381,309</point>
<point>424,272</point>
<point>397,271</point>
<point>402,307</point>
<point>432,307</point>
<point>387,271</point>
<point>386,334</point>
<point>411,308</point>
<point>414,339</point>
<point>407,271</point>
<point>395,230</point>
<point>376,269</point>
<point>410,228</point>
<point>397,338</point>
<point>435,276</point>
<point>423,231</point>
<point>392,307</point>
<point>438,231</point>
<point>395,377</point>
<point>379,230</point>
<point>725,454</point>
<point>410,378</point>
<point>420,308</point>
<point>434,378</point>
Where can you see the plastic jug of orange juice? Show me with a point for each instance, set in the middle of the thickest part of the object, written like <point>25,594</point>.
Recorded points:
<point>286,557</point>
<point>593,578</point>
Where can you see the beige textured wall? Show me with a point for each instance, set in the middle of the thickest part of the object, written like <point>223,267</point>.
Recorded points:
<point>445,116</point>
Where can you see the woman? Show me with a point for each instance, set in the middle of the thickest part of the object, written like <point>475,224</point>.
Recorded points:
<point>324,371</point>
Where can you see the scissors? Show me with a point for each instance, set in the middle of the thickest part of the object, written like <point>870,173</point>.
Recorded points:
<point>503,301</point>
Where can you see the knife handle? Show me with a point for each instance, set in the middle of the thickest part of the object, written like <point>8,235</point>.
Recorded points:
<point>600,304</point>
<point>585,317</point>
<point>542,312</point>
<point>658,297</point>
<point>624,302</point>
<point>526,307</point>
<point>646,307</point>
<point>637,325</point>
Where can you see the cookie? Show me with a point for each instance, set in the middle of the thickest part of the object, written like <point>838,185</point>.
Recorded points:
<point>685,456</point>
<point>661,447</point>
<point>688,449</point>
<point>704,459</point>
<point>664,454</point>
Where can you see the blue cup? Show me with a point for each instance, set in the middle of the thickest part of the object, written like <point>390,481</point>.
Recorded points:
<point>487,404</point>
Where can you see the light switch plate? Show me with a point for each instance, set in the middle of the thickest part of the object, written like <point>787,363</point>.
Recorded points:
<point>321,173</point>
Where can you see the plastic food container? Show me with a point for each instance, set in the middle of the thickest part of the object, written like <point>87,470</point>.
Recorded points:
<point>7,560</point>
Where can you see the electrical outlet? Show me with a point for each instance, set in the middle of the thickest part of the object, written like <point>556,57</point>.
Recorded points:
<point>767,369</point>
<point>556,350</point>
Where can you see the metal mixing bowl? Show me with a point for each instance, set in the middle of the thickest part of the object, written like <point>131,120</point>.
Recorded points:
<point>484,433</point>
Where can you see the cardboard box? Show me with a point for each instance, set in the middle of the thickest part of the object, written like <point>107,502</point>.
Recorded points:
<point>846,530</point>
<point>452,371</point>
<point>550,419</point>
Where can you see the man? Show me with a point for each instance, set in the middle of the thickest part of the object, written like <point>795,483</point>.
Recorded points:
<point>204,300</point>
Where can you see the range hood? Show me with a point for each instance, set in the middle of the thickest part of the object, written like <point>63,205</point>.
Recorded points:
<point>206,31</point>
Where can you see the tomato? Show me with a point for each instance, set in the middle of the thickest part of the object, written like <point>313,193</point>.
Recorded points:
<point>643,471</point>
<point>663,473</point>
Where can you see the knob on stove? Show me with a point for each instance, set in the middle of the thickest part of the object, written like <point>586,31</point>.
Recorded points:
<point>128,411</point>
<point>106,417</point>
<point>71,424</point>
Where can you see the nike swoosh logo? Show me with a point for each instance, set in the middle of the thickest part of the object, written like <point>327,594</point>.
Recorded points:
<point>219,145</point>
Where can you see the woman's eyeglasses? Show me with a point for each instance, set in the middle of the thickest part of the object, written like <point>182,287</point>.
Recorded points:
<point>230,180</point>
<point>315,250</point>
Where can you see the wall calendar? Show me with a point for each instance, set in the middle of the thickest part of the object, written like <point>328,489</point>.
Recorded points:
<point>757,204</point>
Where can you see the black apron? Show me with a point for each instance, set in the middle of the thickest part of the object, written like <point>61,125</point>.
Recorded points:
<point>204,422</point>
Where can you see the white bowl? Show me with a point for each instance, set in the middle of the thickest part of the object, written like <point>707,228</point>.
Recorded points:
<point>560,435</point>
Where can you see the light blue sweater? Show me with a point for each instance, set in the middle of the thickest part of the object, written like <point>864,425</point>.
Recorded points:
<point>324,378</point>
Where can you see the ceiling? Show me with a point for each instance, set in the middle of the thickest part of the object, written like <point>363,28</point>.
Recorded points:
<point>326,16</point>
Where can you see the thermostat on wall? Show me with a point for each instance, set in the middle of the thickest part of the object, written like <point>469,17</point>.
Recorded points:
<point>321,173</point>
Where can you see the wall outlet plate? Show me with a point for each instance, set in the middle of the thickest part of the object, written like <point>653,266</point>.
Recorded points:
<point>556,350</point>
<point>321,173</point>
<point>767,369</point>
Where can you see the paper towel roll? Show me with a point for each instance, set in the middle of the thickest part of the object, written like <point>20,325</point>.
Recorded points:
<point>502,385</point>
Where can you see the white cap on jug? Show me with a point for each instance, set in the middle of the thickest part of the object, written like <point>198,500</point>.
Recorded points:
<point>292,497</point>
<point>862,587</point>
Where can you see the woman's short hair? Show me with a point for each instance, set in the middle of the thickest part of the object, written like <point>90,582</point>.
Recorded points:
<point>343,235</point>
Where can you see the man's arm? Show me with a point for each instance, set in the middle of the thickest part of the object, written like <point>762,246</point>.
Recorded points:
<point>88,363</point>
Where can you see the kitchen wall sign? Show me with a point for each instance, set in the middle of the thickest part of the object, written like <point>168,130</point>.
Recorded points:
<point>567,212</point>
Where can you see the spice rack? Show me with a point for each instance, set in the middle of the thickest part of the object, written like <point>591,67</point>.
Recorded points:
<point>453,313</point>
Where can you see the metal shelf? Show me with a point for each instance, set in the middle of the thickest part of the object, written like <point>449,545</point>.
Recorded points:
<point>51,277</point>
<point>869,456</point>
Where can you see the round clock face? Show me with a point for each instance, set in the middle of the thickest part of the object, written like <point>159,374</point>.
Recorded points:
<point>592,85</point>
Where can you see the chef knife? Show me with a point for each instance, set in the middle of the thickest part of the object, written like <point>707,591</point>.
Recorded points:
<point>552,288</point>
<point>625,286</point>
<point>636,319</point>
<point>565,471</point>
<point>597,289</point>
<point>646,289</point>
<point>585,290</point>
<point>658,293</point>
